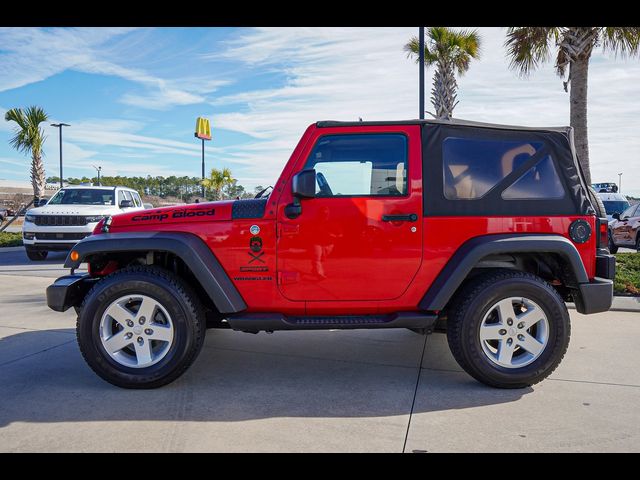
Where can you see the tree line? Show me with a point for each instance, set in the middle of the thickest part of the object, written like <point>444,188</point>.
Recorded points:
<point>219,186</point>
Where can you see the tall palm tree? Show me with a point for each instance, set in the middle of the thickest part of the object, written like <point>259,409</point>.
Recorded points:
<point>217,180</point>
<point>29,138</point>
<point>450,52</point>
<point>528,47</point>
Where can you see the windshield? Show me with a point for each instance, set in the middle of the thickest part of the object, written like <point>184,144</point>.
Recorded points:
<point>615,206</point>
<point>83,196</point>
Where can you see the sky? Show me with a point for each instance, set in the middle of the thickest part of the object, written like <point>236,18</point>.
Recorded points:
<point>132,96</point>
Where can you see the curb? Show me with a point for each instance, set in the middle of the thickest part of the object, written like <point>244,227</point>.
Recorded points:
<point>620,304</point>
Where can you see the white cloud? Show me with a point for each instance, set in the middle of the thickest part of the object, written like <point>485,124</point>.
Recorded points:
<point>346,73</point>
<point>34,54</point>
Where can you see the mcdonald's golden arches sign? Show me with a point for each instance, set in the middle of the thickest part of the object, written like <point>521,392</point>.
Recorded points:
<point>203,128</point>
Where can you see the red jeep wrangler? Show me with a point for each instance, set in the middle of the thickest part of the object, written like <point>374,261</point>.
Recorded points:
<point>480,230</point>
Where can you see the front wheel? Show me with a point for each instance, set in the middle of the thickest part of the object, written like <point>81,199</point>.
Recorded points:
<point>140,327</point>
<point>508,329</point>
<point>36,255</point>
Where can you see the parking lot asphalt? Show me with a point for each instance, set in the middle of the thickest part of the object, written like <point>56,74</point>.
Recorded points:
<point>347,391</point>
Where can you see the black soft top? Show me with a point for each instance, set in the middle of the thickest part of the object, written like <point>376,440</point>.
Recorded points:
<point>557,142</point>
<point>453,121</point>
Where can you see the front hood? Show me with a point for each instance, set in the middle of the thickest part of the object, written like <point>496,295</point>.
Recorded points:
<point>195,212</point>
<point>88,210</point>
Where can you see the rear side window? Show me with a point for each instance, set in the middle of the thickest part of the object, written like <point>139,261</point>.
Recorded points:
<point>360,164</point>
<point>540,181</point>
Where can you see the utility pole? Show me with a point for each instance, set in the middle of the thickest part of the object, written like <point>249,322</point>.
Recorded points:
<point>620,182</point>
<point>98,168</point>
<point>59,126</point>
<point>421,67</point>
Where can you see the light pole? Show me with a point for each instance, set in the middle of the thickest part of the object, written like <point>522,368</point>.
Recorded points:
<point>421,67</point>
<point>620,182</point>
<point>98,170</point>
<point>59,126</point>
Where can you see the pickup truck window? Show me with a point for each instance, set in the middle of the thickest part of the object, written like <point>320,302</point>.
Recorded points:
<point>360,164</point>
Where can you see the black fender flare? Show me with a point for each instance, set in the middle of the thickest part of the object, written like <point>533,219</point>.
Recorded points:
<point>472,251</point>
<point>193,251</point>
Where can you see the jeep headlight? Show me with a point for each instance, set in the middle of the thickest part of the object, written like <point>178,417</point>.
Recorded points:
<point>29,218</point>
<point>94,218</point>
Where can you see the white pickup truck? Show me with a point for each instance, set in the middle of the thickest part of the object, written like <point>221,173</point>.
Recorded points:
<point>72,214</point>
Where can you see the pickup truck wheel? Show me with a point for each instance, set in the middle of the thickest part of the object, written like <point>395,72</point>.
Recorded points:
<point>36,255</point>
<point>140,327</point>
<point>508,329</point>
<point>612,246</point>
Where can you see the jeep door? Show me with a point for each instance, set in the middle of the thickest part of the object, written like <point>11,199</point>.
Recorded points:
<point>360,238</point>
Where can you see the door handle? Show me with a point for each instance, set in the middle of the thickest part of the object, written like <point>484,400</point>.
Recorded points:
<point>411,217</point>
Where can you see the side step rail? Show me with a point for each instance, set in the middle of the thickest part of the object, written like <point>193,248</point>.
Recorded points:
<point>269,322</point>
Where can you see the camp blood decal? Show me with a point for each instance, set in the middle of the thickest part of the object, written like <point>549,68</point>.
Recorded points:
<point>255,262</point>
<point>185,214</point>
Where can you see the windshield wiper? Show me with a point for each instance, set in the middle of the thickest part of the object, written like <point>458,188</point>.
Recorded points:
<point>261,192</point>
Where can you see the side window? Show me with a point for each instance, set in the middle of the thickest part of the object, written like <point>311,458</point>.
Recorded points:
<point>472,167</point>
<point>629,212</point>
<point>120,197</point>
<point>127,196</point>
<point>360,164</point>
<point>136,199</point>
<point>539,182</point>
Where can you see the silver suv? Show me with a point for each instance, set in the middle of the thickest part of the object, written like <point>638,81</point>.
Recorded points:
<point>72,214</point>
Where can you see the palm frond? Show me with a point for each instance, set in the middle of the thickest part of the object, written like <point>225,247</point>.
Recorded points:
<point>528,47</point>
<point>623,41</point>
<point>28,137</point>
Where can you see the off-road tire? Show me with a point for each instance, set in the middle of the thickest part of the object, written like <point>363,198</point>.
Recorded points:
<point>36,255</point>
<point>475,299</point>
<point>612,246</point>
<point>174,295</point>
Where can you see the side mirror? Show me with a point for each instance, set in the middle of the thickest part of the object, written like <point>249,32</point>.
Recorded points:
<point>616,215</point>
<point>126,204</point>
<point>304,184</point>
<point>42,202</point>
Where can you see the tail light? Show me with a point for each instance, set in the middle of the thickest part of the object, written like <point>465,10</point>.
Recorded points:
<point>602,224</point>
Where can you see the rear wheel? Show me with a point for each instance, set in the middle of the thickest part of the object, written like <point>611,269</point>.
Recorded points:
<point>508,329</point>
<point>140,327</point>
<point>36,255</point>
<point>612,246</point>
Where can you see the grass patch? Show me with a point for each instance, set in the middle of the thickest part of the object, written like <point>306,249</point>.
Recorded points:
<point>9,239</point>
<point>627,273</point>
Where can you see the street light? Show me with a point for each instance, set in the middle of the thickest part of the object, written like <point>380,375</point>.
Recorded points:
<point>620,182</point>
<point>98,170</point>
<point>59,126</point>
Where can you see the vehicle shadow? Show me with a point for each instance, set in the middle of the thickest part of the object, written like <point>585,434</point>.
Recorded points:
<point>19,258</point>
<point>241,377</point>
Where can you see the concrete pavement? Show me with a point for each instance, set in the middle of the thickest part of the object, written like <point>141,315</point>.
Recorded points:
<point>307,391</point>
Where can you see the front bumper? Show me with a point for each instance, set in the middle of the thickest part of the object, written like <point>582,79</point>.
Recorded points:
<point>68,291</point>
